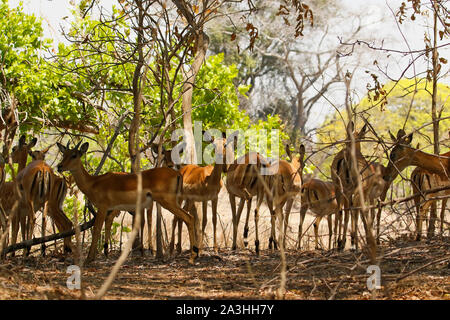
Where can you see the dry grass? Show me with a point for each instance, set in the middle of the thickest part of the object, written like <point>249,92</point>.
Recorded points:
<point>239,275</point>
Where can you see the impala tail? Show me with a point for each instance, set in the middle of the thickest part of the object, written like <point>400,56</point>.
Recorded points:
<point>179,188</point>
<point>40,187</point>
<point>61,193</point>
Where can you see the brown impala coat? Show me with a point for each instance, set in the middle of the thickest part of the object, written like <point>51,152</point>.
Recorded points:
<point>118,191</point>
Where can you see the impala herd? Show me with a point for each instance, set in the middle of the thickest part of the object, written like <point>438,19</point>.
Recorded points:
<point>356,183</point>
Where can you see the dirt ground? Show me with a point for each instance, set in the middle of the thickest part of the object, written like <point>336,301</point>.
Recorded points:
<point>241,275</point>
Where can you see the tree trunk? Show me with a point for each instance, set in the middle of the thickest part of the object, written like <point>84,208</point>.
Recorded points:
<point>189,81</point>
<point>434,115</point>
<point>435,62</point>
<point>138,82</point>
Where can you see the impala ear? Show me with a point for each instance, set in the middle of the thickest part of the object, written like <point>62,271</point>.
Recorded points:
<point>363,131</point>
<point>22,140</point>
<point>61,147</point>
<point>154,147</point>
<point>302,151</point>
<point>288,151</point>
<point>408,138</point>
<point>393,138</point>
<point>84,147</point>
<point>32,143</point>
<point>400,133</point>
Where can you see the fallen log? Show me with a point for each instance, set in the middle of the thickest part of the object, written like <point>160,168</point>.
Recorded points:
<point>56,236</point>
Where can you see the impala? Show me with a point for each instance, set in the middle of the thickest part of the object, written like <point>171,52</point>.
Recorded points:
<point>243,182</point>
<point>118,191</point>
<point>423,180</point>
<point>55,196</point>
<point>284,184</point>
<point>202,184</point>
<point>8,191</point>
<point>319,197</point>
<point>433,171</point>
<point>405,156</point>
<point>343,180</point>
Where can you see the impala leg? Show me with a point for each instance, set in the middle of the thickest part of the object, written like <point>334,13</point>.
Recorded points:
<point>316,232</point>
<point>141,230</point>
<point>149,227</point>
<point>259,201</point>
<point>378,221</point>
<point>444,206</point>
<point>204,220</point>
<point>29,225</point>
<point>303,210</point>
<point>233,218</point>
<point>272,214</point>
<point>355,218</point>
<point>62,223</point>
<point>236,218</point>
<point>198,234</point>
<point>249,208</point>
<point>15,228</point>
<point>24,226</point>
<point>214,221</point>
<point>420,218</point>
<point>330,231</point>
<point>433,217</point>
<point>180,233</point>
<point>272,238</point>
<point>108,225</point>
<point>340,224</point>
<point>188,219</point>
<point>337,218</point>
<point>138,241</point>
<point>98,224</point>
<point>345,224</point>
<point>287,212</point>
<point>172,238</point>
<point>418,208</point>
<point>43,226</point>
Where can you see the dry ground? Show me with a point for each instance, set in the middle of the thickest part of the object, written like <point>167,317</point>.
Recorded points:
<point>241,275</point>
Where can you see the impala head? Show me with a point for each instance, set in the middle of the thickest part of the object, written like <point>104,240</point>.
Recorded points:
<point>402,144</point>
<point>166,156</point>
<point>376,182</point>
<point>71,157</point>
<point>38,155</point>
<point>357,135</point>
<point>223,150</point>
<point>20,152</point>
<point>297,161</point>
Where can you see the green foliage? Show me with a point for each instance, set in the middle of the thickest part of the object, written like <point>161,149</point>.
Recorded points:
<point>216,105</point>
<point>215,101</point>
<point>21,44</point>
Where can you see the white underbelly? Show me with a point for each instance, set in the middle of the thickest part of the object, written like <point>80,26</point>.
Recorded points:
<point>132,206</point>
